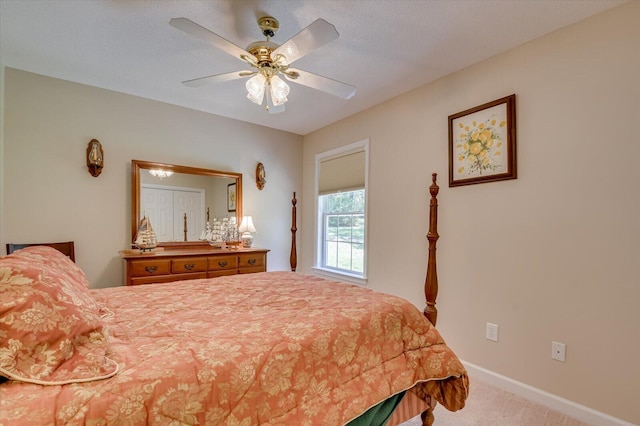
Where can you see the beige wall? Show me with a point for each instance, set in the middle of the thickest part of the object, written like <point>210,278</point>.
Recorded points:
<point>552,255</point>
<point>50,196</point>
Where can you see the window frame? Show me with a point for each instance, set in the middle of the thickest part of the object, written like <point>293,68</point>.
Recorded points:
<point>361,279</point>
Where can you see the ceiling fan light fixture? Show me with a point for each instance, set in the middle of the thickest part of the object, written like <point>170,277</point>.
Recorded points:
<point>268,60</point>
<point>279,90</point>
<point>160,173</point>
<point>255,86</point>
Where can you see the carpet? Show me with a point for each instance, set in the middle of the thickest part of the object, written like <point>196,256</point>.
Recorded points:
<point>488,405</point>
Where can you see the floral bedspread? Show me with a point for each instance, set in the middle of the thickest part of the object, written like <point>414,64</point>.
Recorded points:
<point>273,348</point>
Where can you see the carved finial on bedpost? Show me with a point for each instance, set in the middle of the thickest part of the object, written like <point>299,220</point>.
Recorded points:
<point>431,282</point>
<point>293,258</point>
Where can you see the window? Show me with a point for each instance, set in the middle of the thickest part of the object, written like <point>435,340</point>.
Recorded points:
<point>343,231</point>
<point>341,212</point>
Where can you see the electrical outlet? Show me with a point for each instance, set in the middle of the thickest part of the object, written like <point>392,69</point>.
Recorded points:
<point>492,332</point>
<point>558,351</point>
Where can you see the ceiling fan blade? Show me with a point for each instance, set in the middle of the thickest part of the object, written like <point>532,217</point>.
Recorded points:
<point>317,34</point>
<point>218,78</point>
<point>190,27</point>
<point>325,84</point>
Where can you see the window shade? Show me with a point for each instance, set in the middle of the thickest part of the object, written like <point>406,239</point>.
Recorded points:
<point>345,173</point>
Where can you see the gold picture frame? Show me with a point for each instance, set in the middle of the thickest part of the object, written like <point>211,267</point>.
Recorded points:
<point>482,143</point>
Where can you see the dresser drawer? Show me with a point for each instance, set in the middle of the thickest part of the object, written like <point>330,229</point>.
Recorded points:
<point>221,273</point>
<point>223,263</point>
<point>167,278</point>
<point>147,268</point>
<point>188,264</point>
<point>252,270</point>
<point>251,260</point>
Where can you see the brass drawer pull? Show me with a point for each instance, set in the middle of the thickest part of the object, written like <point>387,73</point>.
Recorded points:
<point>252,261</point>
<point>189,266</point>
<point>223,264</point>
<point>151,269</point>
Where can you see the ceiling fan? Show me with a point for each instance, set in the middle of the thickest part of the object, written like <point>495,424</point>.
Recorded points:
<point>269,61</point>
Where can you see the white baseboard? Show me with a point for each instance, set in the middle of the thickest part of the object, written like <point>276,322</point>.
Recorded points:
<point>570,408</point>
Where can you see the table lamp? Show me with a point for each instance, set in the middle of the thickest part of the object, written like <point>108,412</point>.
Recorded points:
<point>246,227</point>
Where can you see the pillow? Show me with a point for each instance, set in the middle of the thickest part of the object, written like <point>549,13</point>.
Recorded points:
<point>54,258</point>
<point>73,278</point>
<point>51,332</point>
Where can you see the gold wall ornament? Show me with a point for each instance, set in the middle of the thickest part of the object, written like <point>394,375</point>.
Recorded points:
<point>95,158</point>
<point>260,176</point>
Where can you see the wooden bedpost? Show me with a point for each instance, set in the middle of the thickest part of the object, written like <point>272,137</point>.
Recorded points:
<point>293,258</point>
<point>431,282</point>
<point>427,416</point>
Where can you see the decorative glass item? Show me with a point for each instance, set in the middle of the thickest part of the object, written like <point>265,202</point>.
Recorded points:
<point>146,237</point>
<point>231,238</point>
<point>223,233</point>
<point>206,233</point>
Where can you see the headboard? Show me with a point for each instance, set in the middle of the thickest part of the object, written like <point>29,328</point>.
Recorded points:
<point>66,247</point>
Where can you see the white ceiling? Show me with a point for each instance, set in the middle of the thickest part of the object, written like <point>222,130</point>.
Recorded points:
<point>385,48</point>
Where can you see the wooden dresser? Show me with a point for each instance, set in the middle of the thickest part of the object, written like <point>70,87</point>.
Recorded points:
<point>187,264</point>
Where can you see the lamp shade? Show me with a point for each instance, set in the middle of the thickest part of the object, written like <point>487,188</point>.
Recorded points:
<point>247,224</point>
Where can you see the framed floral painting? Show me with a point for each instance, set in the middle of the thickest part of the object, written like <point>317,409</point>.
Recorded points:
<point>482,143</point>
<point>231,197</point>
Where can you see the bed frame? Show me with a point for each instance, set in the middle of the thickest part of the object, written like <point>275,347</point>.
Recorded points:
<point>430,283</point>
<point>411,405</point>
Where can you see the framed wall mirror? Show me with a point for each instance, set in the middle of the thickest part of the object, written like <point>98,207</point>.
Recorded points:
<point>179,200</point>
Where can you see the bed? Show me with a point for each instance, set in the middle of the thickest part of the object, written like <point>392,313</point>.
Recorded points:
<point>273,348</point>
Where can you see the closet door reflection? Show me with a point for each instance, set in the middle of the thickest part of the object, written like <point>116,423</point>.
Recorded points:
<point>167,206</point>
<point>157,205</point>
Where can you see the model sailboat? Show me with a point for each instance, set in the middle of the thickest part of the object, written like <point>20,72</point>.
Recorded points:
<point>146,237</point>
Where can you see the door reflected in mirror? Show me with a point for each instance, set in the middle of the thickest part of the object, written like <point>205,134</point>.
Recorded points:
<point>179,203</point>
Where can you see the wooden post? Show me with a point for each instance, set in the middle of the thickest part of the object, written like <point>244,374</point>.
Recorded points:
<point>431,282</point>
<point>427,416</point>
<point>185,227</point>
<point>293,258</point>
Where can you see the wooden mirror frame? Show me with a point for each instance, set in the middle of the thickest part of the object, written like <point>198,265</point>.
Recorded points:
<point>137,165</point>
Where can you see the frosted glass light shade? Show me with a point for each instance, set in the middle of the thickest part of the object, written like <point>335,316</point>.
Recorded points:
<point>159,173</point>
<point>255,86</point>
<point>279,90</point>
